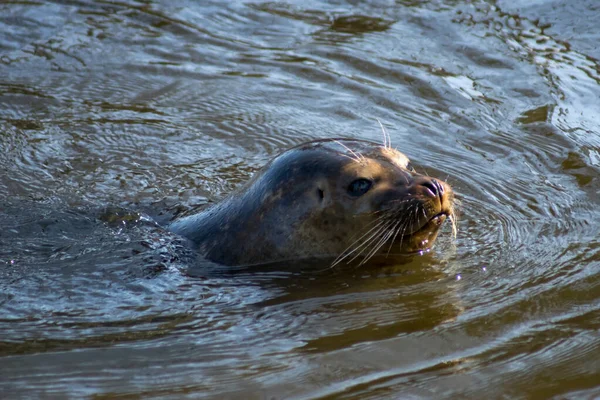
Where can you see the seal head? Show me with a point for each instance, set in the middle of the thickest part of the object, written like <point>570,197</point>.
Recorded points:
<point>340,198</point>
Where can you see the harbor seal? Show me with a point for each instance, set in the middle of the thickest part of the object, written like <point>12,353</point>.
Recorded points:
<point>346,199</point>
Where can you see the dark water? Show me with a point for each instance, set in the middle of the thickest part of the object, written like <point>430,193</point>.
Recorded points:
<point>114,116</point>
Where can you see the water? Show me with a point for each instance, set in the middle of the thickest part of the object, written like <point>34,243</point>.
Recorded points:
<point>115,116</point>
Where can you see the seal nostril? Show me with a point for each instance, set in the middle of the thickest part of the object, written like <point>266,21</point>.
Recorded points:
<point>439,186</point>
<point>435,187</point>
<point>432,187</point>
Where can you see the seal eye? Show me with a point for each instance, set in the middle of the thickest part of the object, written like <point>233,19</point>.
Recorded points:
<point>359,187</point>
<point>410,167</point>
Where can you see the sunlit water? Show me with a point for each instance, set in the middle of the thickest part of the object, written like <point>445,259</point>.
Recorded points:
<point>116,116</point>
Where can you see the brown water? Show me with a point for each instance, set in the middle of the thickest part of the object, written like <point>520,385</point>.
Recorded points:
<point>114,116</point>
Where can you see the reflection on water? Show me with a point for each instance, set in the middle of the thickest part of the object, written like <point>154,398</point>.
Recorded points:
<point>116,116</point>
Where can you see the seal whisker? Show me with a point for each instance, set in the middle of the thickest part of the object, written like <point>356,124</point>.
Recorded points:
<point>366,244</point>
<point>396,203</point>
<point>378,222</point>
<point>384,238</point>
<point>379,241</point>
<point>401,201</point>
<point>374,249</point>
<point>376,237</point>
<point>393,230</point>
<point>452,218</point>
<point>367,241</point>
<point>404,230</point>
<point>347,156</point>
<point>416,214</point>
<point>387,140</point>
<point>346,253</point>
<point>358,156</point>
<point>408,222</point>
<point>397,228</point>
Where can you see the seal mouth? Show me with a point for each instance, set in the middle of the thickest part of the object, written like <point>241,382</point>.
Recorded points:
<point>433,223</point>
<point>439,219</point>
<point>423,238</point>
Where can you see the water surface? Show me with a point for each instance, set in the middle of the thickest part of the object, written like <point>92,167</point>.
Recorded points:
<point>116,116</point>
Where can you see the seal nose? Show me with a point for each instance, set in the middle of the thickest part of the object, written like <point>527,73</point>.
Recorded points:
<point>434,187</point>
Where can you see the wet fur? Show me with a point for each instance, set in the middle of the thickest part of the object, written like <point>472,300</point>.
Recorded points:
<point>296,207</point>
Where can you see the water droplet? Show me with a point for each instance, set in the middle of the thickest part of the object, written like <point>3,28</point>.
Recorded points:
<point>484,268</point>
<point>458,277</point>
